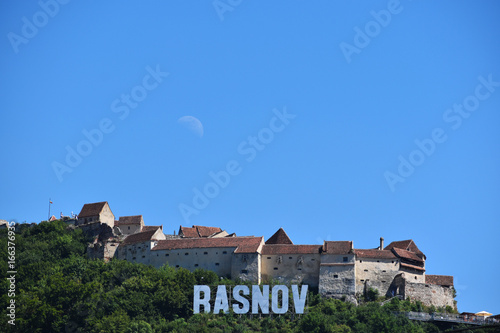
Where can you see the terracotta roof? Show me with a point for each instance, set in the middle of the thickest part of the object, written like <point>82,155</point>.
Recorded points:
<point>376,254</point>
<point>151,227</point>
<point>290,249</point>
<point>408,245</point>
<point>140,237</point>
<point>188,232</point>
<point>92,209</point>
<point>442,280</point>
<point>337,247</point>
<point>241,244</point>
<point>279,237</point>
<point>129,220</point>
<point>406,254</point>
<point>198,231</point>
<point>412,267</point>
<point>206,231</point>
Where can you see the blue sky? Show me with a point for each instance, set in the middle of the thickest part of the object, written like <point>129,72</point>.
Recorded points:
<point>334,120</point>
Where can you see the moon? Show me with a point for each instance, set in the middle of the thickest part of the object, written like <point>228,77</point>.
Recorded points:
<point>193,124</point>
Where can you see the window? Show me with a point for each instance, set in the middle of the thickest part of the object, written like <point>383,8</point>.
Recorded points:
<point>299,269</point>
<point>128,228</point>
<point>378,260</point>
<point>144,256</point>
<point>133,258</point>
<point>195,265</point>
<point>290,258</point>
<point>383,271</point>
<point>268,257</point>
<point>216,264</point>
<point>166,254</point>
<point>366,270</point>
<point>157,254</point>
<point>224,252</point>
<point>176,266</point>
<point>205,252</point>
<point>275,268</point>
<point>244,271</point>
<point>362,280</point>
<point>393,261</point>
<point>361,261</point>
<point>186,254</point>
<point>383,281</point>
<point>313,259</point>
<point>344,259</point>
<point>415,277</point>
<point>335,276</point>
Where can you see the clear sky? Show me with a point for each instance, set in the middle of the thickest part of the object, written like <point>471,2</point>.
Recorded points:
<point>336,120</point>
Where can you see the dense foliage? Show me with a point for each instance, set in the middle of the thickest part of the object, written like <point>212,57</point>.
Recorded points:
<point>59,290</point>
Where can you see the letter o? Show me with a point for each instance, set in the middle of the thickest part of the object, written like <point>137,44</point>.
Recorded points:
<point>84,151</point>
<point>215,190</point>
<point>471,106</point>
<point>369,31</point>
<point>421,157</point>
<point>139,97</point>
<point>269,135</point>
<point>43,16</point>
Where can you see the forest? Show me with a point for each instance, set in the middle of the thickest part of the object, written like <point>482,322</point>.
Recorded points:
<point>56,288</point>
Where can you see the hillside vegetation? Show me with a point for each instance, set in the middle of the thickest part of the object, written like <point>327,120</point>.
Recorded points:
<point>59,290</point>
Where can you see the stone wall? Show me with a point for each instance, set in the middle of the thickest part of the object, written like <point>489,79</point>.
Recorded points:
<point>291,268</point>
<point>214,259</point>
<point>246,267</point>
<point>337,275</point>
<point>138,252</point>
<point>107,216</point>
<point>375,273</point>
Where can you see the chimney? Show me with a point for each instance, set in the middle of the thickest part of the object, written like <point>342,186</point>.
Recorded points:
<point>381,243</point>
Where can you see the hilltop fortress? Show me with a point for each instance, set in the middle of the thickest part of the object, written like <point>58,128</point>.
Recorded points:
<point>336,268</point>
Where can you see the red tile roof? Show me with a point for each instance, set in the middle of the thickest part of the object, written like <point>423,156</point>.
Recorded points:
<point>241,244</point>
<point>279,237</point>
<point>92,209</point>
<point>408,245</point>
<point>198,231</point>
<point>290,249</point>
<point>337,247</point>
<point>406,254</point>
<point>123,220</point>
<point>442,280</point>
<point>376,254</point>
<point>207,231</point>
<point>139,237</point>
<point>151,227</point>
<point>412,267</point>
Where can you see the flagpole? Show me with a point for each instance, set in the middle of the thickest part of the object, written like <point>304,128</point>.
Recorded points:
<point>48,218</point>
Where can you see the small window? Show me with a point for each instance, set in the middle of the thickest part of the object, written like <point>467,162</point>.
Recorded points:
<point>299,269</point>
<point>187,253</point>
<point>344,259</point>
<point>224,252</point>
<point>166,254</point>
<point>216,252</point>
<point>205,252</point>
<point>216,264</point>
<point>268,257</point>
<point>313,259</point>
<point>415,277</point>
<point>195,265</point>
<point>133,258</point>
<point>393,261</point>
<point>244,271</point>
<point>383,281</point>
<point>378,260</point>
<point>383,271</point>
<point>144,256</point>
<point>362,280</point>
<point>361,261</point>
<point>128,228</point>
<point>335,276</point>
<point>290,258</point>
<point>157,254</point>
<point>176,266</point>
<point>275,268</point>
<point>366,270</point>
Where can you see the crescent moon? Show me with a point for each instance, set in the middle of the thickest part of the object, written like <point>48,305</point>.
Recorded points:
<point>193,124</point>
